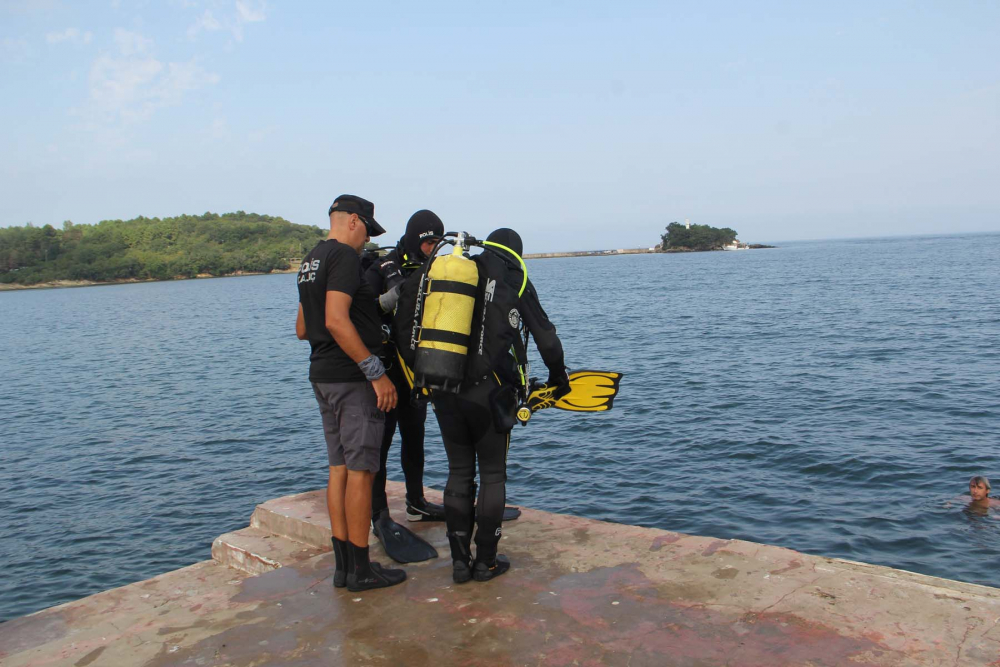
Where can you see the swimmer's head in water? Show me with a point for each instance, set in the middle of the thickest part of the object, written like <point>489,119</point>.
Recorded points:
<point>979,487</point>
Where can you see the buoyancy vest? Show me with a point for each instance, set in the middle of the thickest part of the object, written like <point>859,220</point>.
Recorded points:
<point>497,329</point>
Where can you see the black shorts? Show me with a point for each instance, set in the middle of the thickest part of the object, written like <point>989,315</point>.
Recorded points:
<point>352,424</point>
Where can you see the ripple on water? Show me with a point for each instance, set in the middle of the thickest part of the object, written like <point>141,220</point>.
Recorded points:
<point>766,397</point>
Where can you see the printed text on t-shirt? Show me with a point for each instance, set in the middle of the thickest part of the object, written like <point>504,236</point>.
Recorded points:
<point>307,272</point>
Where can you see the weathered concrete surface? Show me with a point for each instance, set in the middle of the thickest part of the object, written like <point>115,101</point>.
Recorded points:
<point>303,520</point>
<point>581,592</point>
<point>255,551</point>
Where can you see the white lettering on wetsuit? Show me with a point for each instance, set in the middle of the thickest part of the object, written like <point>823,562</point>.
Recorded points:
<point>491,286</point>
<point>389,269</point>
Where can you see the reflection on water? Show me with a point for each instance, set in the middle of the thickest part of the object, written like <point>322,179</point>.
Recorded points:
<point>979,524</point>
<point>975,511</point>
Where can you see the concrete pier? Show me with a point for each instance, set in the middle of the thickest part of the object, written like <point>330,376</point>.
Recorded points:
<point>581,592</point>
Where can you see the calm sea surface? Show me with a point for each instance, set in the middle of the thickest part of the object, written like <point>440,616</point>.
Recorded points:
<point>831,397</point>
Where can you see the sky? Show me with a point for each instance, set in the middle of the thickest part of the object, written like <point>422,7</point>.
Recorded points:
<point>583,125</point>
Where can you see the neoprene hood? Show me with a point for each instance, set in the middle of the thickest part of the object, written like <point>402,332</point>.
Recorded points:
<point>507,237</point>
<point>422,226</point>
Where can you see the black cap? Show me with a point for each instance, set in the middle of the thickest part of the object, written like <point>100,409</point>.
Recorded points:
<point>362,207</point>
<point>422,226</point>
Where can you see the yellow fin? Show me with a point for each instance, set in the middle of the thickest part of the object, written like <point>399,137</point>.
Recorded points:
<point>590,391</point>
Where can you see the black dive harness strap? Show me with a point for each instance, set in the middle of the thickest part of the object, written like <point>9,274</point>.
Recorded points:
<point>442,336</point>
<point>452,287</point>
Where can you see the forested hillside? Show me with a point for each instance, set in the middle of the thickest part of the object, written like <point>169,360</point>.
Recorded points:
<point>151,248</point>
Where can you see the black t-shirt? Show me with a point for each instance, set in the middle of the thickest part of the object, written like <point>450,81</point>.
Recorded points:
<point>331,265</point>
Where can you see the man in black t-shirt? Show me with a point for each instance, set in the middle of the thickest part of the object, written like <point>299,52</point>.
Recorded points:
<point>338,315</point>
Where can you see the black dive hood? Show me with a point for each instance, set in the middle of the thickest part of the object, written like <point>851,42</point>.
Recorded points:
<point>422,226</point>
<point>510,239</point>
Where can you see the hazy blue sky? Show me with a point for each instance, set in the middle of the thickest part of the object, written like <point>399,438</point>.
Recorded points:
<point>581,124</point>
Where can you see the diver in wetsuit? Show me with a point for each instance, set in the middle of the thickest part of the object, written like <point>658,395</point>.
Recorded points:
<point>385,275</point>
<point>476,422</point>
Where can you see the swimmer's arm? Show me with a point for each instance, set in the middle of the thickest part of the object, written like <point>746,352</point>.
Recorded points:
<point>300,325</point>
<point>958,500</point>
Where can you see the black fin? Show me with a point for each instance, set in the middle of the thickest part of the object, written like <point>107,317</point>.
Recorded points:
<point>399,542</point>
<point>509,513</point>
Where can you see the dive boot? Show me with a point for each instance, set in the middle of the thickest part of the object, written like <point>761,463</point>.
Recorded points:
<point>461,571</point>
<point>341,556</point>
<point>421,510</point>
<point>461,557</point>
<point>484,572</point>
<point>365,575</point>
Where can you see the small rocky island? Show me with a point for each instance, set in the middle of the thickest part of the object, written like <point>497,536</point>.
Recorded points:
<point>701,238</point>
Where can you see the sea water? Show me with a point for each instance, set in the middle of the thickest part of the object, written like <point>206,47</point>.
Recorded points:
<point>831,397</point>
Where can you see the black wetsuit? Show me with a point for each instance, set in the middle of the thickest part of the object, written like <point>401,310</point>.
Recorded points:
<point>383,275</point>
<point>470,432</point>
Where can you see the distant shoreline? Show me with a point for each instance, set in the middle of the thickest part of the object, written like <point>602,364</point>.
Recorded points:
<point>587,253</point>
<point>630,251</point>
<point>60,284</point>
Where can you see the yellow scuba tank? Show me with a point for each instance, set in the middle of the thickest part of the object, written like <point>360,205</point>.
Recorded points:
<point>446,322</point>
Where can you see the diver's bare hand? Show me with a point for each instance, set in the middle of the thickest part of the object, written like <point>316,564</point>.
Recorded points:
<point>385,392</point>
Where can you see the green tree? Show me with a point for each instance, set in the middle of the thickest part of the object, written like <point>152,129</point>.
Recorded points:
<point>698,237</point>
<point>152,248</point>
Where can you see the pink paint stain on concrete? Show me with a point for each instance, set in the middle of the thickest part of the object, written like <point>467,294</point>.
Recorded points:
<point>620,612</point>
<point>714,546</point>
<point>662,541</point>
<point>794,565</point>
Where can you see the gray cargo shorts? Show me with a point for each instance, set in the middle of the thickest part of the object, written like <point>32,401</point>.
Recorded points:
<point>352,424</point>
